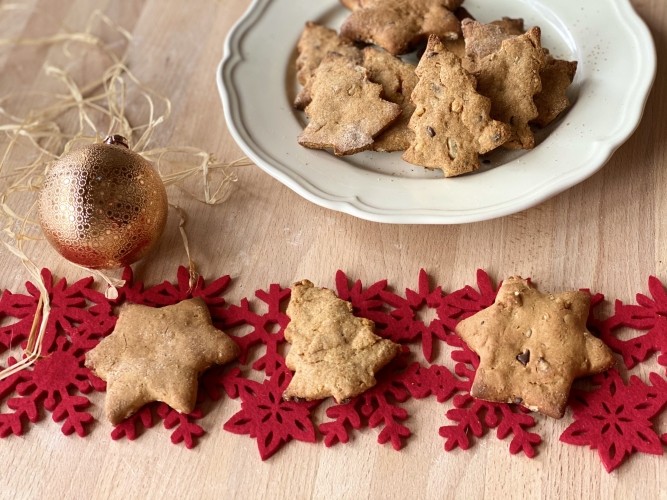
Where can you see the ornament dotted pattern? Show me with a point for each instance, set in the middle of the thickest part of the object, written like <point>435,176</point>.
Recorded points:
<point>616,418</point>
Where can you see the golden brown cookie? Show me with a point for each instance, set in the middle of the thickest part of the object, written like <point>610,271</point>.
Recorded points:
<point>532,346</point>
<point>332,352</point>
<point>557,75</point>
<point>511,26</point>
<point>315,43</point>
<point>399,25</point>
<point>157,355</point>
<point>510,77</point>
<point>482,40</point>
<point>451,121</point>
<point>398,80</point>
<point>346,111</point>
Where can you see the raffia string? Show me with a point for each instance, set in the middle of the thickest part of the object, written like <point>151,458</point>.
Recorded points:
<point>82,114</point>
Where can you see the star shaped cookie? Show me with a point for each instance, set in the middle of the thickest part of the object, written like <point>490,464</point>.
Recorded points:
<point>332,352</point>
<point>532,346</point>
<point>399,25</point>
<point>157,354</point>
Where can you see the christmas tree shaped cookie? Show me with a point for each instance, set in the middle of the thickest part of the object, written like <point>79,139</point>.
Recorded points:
<point>333,353</point>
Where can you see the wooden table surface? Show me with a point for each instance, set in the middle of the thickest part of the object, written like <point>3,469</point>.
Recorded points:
<point>608,234</point>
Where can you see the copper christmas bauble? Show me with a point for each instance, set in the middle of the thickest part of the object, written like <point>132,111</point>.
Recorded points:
<point>103,206</point>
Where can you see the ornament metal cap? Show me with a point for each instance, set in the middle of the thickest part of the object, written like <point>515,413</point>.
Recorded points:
<point>117,140</point>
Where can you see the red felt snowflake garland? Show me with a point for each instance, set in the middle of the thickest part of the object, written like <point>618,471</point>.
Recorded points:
<point>616,418</point>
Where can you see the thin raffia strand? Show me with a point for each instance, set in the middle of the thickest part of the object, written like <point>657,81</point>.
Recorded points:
<point>38,328</point>
<point>207,166</point>
<point>92,102</point>
<point>182,220</point>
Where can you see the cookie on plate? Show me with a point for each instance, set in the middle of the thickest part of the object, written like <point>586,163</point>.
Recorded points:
<point>315,43</point>
<point>398,80</point>
<point>510,77</point>
<point>557,76</point>
<point>398,26</point>
<point>532,346</point>
<point>482,39</point>
<point>332,353</point>
<point>346,111</point>
<point>451,121</point>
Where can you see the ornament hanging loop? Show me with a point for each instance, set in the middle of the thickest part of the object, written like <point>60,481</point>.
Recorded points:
<point>117,140</point>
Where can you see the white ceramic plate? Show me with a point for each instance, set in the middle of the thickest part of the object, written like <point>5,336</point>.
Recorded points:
<point>617,65</point>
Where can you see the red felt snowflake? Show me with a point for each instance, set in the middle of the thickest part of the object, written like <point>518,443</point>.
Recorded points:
<point>616,418</point>
<point>407,312</point>
<point>186,430</point>
<point>79,317</point>
<point>167,293</point>
<point>649,315</point>
<point>474,416</point>
<point>267,328</point>
<point>367,303</point>
<point>265,416</point>
<point>380,405</point>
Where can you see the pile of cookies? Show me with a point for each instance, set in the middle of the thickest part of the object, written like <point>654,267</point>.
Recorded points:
<point>477,86</point>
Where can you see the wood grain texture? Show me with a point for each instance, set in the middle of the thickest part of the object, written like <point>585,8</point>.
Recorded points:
<point>608,234</point>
